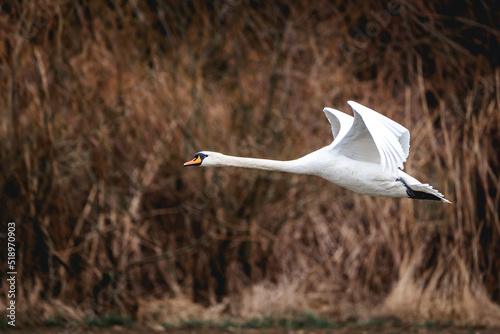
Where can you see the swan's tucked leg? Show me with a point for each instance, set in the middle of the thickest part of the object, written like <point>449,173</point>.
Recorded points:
<point>422,191</point>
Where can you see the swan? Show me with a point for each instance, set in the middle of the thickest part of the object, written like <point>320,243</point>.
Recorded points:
<point>366,156</point>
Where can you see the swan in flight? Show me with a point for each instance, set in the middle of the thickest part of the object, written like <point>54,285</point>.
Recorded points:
<point>365,156</point>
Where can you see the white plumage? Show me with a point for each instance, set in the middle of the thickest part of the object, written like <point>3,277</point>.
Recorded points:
<point>364,157</point>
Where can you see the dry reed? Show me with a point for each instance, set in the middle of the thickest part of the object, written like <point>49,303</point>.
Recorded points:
<point>103,101</point>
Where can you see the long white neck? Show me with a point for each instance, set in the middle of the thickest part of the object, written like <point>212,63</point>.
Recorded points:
<point>298,166</point>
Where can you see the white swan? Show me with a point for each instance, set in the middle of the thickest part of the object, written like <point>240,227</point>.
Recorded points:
<point>364,157</point>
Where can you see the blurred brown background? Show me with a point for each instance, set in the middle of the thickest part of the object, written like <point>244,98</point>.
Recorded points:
<point>102,102</point>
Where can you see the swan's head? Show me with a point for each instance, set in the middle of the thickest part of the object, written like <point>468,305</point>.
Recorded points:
<point>206,158</point>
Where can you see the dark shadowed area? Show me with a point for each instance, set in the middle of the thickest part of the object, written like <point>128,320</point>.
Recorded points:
<point>101,103</point>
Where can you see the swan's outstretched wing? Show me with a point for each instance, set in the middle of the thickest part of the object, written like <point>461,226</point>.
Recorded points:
<point>341,122</point>
<point>375,138</point>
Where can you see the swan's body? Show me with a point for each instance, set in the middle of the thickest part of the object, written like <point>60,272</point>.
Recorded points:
<point>364,157</point>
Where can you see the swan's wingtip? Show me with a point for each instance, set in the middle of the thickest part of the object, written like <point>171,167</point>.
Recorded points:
<point>444,200</point>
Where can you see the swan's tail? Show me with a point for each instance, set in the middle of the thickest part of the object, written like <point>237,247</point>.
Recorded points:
<point>423,191</point>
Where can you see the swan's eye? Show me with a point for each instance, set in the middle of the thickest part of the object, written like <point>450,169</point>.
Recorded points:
<point>201,156</point>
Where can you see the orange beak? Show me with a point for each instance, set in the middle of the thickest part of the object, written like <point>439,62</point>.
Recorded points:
<point>195,162</point>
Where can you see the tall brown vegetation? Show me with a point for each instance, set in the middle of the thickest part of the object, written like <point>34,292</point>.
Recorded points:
<point>102,102</point>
